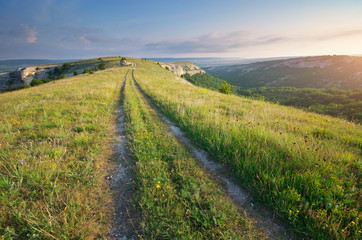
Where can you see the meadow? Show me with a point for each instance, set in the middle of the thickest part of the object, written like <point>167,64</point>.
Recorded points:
<point>305,166</point>
<point>55,149</point>
<point>176,198</point>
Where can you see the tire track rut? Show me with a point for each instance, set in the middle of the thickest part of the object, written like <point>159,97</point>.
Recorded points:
<point>263,219</point>
<point>121,184</point>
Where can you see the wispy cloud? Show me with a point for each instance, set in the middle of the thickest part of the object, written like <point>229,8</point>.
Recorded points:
<point>24,33</point>
<point>91,37</point>
<point>340,34</point>
<point>214,43</point>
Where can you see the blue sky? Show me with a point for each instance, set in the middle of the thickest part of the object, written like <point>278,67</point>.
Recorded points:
<point>72,29</point>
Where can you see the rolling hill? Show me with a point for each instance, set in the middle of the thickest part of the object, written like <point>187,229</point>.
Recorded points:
<point>60,143</point>
<point>344,72</point>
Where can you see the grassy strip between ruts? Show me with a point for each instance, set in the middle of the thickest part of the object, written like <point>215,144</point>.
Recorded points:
<point>306,166</point>
<point>53,157</point>
<point>177,198</point>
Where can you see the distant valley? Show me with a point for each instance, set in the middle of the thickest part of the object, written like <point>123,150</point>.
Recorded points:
<point>344,72</point>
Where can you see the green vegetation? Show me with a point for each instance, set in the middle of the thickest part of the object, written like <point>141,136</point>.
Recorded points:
<point>55,150</point>
<point>102,66</point>
<point>53,157</point>
<point>59,73</point>
<point>177,198</point>
<point>307,72</point>
<point>36,82</point>
<point>204,80</point>
<point>67,68</point>
<point>303,165</point>
<point>335,102</point>
<point>225,88</point>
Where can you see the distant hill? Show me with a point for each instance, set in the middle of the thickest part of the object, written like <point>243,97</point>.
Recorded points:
<point>213,62</point>
<point>25,71</point>
<point>344,72</point>
<point>12,65</point>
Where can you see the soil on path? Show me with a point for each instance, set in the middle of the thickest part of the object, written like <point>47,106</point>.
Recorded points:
<point>263,219</point>
<point>121,184</point>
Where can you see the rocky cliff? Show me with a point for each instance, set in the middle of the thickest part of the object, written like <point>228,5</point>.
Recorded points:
<point>23,76</point>
<point>180,68</point>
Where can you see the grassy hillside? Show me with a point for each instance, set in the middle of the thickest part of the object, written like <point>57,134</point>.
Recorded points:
<point>12,65</point>
<point>305,166</point>
<point>335,102</point>
<point>53,156</point>
<point>46,73</point>
<point>204,80</point>
<point>178,200</point>
<point>56,147</point>
<point>309,72</point>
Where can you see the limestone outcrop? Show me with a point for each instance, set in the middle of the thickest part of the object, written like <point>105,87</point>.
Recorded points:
<point>23,76</point>
<point>181,68</point>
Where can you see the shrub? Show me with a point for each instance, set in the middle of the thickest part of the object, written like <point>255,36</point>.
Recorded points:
<point>35,82</point>
<point>66,66</point>
<point>75,73</point>
<point>46,80</point>
<point>225,88</point>
<point>86,70</point>
<point>102,66</point>
<point>62,76</point>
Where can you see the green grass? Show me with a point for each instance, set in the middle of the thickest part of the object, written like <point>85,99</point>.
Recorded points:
<point>54,155</point>
<point>177,199</point>
<point>306,166</point>
<point>56,147</point>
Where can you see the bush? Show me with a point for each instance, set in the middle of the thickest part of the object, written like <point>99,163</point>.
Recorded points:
<point>75,73</point>
<point>62,76</point>
<point>66,66</point>
<point>225,88</point>
<point>86,70</point>
<point>102,66</point>
<point>46,80</point>
<point>35,82</point>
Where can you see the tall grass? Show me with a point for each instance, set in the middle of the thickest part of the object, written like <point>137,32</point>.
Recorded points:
<point>176,197</point>
<point>54,149</point>
<point>306,166</point>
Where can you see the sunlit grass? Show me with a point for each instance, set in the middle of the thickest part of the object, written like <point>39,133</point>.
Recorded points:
<point>306,166</point>
<point>53,157</point>
<point>176,197</point>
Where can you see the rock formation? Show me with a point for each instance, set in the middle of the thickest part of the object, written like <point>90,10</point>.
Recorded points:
<point>23,76</point>
<point>180,68</point>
